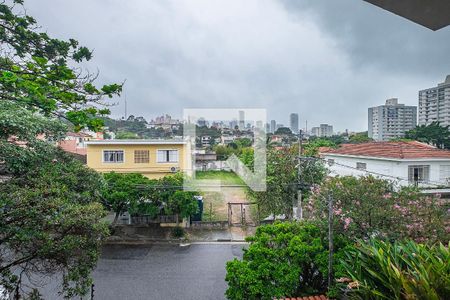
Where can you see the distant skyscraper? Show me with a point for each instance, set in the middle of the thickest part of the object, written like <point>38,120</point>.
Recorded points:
<point>391,121</point>
<point>241,120</point>
<point>273,126</point>
<point>294,123</point>
<point>201,122</point>
<point>434,104</point>
<point>324,130</point>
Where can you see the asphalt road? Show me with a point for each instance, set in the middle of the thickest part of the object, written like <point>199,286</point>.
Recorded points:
<point>162,271</point>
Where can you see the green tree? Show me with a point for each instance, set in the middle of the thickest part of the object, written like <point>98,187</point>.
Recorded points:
<point>312,147</point>
<point>283,180</point>
<point>360,137</point>
<point>36,71</point>
<point>283,260</point>
<point>122,192</point>
<point>50,219</point>
<point>433,134</point>
<point>243,142</point>
<point>283,131</point>
<point>50,216</point>
<point>181,204</point>
<point>124,135</point>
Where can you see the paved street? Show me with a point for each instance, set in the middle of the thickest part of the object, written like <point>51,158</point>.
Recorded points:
<point>163,271</point>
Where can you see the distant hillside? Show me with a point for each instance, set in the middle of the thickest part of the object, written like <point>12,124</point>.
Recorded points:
<point>136,127</point>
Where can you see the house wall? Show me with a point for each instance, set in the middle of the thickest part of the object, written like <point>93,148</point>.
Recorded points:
<point>151,170</point>
<point>345,165</point>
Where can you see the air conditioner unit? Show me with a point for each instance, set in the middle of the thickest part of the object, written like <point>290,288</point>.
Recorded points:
<point>174,169</point>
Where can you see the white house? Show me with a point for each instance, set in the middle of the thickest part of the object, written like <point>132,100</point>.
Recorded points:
<point>404,162</point>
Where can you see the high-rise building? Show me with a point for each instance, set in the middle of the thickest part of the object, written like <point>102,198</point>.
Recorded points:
<point>324,130</point>
<point>294,123</point>
<point>434,104</point>
<point>273,126</point>
<point>391,121</point>
<point>241,120</point>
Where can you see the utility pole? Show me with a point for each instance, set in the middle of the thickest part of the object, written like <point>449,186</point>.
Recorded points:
<point>299,188</point>
<point>330,240</point>
<point>125,107</point>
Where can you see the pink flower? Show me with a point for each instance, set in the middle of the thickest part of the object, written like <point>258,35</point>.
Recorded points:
<point>347,222</point>
<point>338,212</point>
<point>387,196</point>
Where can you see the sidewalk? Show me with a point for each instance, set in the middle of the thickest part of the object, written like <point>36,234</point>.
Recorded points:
<point>231,234</point>
<point>140,235</point>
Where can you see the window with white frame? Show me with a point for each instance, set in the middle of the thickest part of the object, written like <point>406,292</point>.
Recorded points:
<point>141,156</point>
<point>444,173</point>
<point>113,156</point>
<point>418,173</point>
<point>167,156</point>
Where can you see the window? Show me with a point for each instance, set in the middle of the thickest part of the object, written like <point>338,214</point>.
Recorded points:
<point>361,166</point>
<point>113,156</point>
<point>444,173</point>
<point>418,174</point>
<point>141,156</point>
<point>165,156</point>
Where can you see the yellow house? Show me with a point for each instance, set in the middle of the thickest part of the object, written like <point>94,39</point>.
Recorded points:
<point>151,158</point>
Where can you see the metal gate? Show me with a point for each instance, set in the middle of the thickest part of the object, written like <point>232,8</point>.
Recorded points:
<point>243,214</point>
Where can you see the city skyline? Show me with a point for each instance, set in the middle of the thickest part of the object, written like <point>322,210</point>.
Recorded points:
<point>211,54</point>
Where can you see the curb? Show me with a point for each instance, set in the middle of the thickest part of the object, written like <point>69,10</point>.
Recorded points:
<point>162,241</point>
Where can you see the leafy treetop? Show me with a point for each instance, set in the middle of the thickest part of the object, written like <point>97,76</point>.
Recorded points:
<point>36,71</point>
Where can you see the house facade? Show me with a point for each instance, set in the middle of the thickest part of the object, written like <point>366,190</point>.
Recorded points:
<point>407,163</point>
<point>75,142</point>
<point>151,158</point>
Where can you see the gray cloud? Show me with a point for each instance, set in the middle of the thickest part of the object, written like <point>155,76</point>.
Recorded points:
<point>325,60</point>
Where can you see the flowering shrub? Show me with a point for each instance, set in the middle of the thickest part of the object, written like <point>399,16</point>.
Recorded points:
<point>370,207</point>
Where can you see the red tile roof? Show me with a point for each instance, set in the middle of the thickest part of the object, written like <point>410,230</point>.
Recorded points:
<point>78,134</point>
<point>397,150</point>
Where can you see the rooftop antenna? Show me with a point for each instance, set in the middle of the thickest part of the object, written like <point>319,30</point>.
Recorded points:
<point>125,107</point>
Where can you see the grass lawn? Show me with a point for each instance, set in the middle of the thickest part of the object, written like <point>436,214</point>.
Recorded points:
<point>225,176</point>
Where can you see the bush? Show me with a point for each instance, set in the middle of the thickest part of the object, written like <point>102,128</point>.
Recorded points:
<point>404,270</point>
<point>369,207</point>
<point>178,232</point>
<point>283,259</point>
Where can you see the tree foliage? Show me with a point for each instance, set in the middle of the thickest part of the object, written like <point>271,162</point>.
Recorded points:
<point>360,137</point>
<point>138,195</point>
<point>312,147</point>
<point>50,211</point>
<point>283,260</point>
<point>35,71</point>
<point>399,270</point>
<point>50,221</point>
<point>283,131</point>
<point>283,180</point>
<point>366,207</point>
<point>433,134</point>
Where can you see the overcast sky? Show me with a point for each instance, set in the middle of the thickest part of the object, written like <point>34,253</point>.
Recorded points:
<point>327,60</point>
